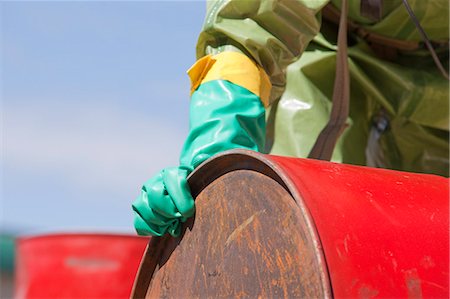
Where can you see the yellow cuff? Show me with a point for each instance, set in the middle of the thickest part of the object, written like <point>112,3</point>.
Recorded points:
<point>234,67</point>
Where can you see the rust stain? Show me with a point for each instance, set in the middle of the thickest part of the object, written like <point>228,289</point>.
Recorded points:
<point>427,262</point>
<point>282,269</point>
<point>204,276</point>
<point>366,291</point>
<point>261,285</point>
<point>288,260</point>
<point>413,284</point>
<point>267,258</point>
<point>241,294</point>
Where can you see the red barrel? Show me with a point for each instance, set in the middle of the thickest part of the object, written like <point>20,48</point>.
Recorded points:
<point>77,265</point>
<point>268,226</point>
<point>384,233</point>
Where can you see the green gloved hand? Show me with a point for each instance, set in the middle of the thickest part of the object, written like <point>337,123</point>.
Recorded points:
<point>223,116</point>
<point>165,200</point>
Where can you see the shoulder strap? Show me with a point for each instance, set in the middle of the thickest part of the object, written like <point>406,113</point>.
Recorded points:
<point>325,143</point>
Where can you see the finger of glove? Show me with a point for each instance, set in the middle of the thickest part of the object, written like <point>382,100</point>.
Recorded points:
<point>145,228</point>
<point>175,181</point>
<point>149,222</point>
<point>159,199</point>
<point>175,228</point>
<point>155,213</point>
<point>141,207</point>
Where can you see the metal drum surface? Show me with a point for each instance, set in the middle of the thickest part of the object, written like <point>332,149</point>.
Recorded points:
<point>269,226</point>
<point>77,265</point>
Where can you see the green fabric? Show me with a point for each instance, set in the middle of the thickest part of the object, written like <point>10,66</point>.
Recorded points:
<point>396,22</point>
<point>8,253</point>
<point>409,93</point>
<point>223,116</point>
<point>415,102</point>
<point>273,33</point>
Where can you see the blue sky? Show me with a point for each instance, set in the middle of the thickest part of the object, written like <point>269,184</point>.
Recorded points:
<point>95,100</point>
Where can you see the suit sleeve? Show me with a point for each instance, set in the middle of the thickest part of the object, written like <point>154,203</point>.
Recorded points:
<point>274,33</point>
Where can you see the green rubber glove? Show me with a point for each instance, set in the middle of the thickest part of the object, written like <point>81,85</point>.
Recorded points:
<point>165,200</point>
<point>223,116</point>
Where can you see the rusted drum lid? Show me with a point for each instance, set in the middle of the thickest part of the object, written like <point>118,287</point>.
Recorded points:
<point>249,238</point>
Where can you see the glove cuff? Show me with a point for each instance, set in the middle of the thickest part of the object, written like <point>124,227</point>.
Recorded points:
<point>234,67</point>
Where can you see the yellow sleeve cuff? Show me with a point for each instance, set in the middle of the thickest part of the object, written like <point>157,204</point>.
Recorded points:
<point>234,67</point>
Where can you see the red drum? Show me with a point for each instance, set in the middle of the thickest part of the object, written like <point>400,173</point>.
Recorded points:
<point>77,265</point>
<point>268,226</point>
<point>384,233</point>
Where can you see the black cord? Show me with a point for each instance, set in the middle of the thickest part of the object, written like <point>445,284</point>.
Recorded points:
<point>426,40</point>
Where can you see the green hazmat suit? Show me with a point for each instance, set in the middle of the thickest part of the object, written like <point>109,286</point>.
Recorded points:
<point>399,107</point>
